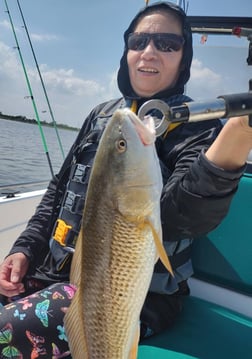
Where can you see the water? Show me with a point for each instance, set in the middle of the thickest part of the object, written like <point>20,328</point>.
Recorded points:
<point>22,154</point>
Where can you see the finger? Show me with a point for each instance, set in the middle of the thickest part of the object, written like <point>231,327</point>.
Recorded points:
<point>10,273</point>
<point>9,289</point>
<point>10,293</point>
<point>16,274</point>
<point>5,271</point>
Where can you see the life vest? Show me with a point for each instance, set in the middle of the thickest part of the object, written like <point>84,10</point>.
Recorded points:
<point>67,226</point>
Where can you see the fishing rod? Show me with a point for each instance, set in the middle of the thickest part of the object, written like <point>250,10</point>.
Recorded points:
<point>41,80</point>
<point>30,91</point>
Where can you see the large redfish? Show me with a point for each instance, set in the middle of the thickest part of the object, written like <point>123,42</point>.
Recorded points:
<point>119,243</point>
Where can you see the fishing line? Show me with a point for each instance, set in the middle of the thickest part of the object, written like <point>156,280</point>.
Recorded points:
<point>30,91</point>
<point>42,82</point>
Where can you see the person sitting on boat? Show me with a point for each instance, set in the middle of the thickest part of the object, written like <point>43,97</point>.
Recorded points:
<point>201,164</point>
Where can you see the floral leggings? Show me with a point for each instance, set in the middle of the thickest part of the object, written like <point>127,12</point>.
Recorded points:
<point>32,327</point>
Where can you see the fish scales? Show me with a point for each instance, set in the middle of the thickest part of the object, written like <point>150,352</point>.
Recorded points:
<point>122,278</point>
<point>115,253</point>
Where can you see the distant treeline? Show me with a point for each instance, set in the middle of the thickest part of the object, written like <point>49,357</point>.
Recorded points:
<point>34,122</point>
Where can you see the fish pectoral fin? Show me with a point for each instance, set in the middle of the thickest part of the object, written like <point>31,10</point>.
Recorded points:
<point>134,348</point>
<point>162,252</point>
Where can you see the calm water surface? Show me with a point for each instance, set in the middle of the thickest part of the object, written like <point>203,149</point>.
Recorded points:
<point>22,154</point>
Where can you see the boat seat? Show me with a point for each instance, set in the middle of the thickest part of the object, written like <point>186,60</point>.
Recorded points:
<point>206,330</point>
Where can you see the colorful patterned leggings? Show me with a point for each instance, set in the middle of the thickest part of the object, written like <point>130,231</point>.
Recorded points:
<point>32,327</point>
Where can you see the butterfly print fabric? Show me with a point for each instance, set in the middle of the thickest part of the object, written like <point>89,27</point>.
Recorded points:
<point>32,327</point>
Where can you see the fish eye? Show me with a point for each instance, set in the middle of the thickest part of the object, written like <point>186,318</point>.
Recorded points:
<point>121,145</point>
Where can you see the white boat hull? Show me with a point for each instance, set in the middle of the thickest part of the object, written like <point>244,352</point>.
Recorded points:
<point>14,215</point>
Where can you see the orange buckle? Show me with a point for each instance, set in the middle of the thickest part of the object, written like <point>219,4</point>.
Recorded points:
<point>61,232</point>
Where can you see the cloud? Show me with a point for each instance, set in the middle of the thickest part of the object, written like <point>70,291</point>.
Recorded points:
<point>8,63</point>
<point>34,37</point>
<point>204,82</point>
<point>5,24</point>
<point>43,37</point>
<point>68,82</point>
<point>71,97</point>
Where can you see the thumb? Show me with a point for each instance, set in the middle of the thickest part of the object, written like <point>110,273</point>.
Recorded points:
<point>15,276</point>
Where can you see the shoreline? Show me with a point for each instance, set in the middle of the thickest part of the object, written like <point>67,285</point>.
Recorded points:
<point>34,122</point>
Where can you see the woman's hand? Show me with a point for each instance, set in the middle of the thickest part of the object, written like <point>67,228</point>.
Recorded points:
<point>232,146</point>
<point>12,271</point>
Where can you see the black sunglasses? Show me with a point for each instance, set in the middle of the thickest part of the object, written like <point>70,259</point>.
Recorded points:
<point>164,42</point>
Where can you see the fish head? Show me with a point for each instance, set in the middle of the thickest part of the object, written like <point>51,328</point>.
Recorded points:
<point>133,174</point>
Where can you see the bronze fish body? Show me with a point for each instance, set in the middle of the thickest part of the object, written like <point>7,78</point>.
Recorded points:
<point>117,247</point>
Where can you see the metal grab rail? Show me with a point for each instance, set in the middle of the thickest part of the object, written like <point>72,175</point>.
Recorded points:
<point>224,106</point>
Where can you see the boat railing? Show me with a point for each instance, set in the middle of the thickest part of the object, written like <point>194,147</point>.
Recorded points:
<point>11,190</point>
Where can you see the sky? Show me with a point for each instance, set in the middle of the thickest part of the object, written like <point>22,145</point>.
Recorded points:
<point>78,45</point>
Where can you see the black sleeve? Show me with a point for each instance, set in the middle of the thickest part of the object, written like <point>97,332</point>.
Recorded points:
<point>196,194</point>
<point>34,240</point>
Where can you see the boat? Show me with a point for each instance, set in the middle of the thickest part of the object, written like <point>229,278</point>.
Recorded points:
<point>216,321</point>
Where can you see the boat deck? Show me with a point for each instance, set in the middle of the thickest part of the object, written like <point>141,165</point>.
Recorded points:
<point>13,219</point>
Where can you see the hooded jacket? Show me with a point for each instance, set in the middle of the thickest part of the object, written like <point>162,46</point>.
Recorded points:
<point>196,194</point>
<point>123,73</point>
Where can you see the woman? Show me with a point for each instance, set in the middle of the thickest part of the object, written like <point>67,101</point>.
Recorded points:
<point>201,166</point>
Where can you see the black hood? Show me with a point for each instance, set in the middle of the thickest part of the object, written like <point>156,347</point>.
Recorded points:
<point>123,73</point>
